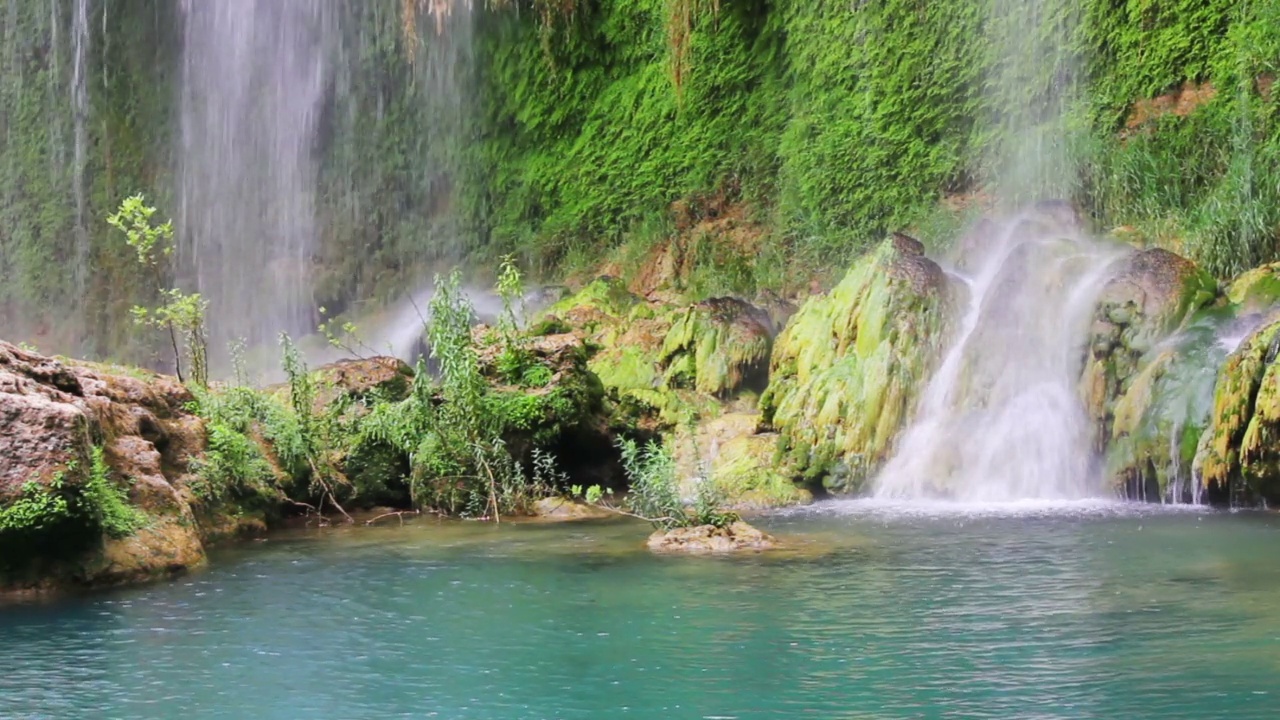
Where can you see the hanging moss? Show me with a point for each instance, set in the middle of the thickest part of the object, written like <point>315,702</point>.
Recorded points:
<point>1235,451</point>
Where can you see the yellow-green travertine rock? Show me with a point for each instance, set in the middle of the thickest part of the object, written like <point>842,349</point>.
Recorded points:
<point>847,369</point>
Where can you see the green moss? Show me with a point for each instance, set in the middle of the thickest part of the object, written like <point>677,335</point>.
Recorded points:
<point>1245,414</point>
<point>605,295</point>
<point>846,369</point>
<point>717,344</point>
<point>747,478</point>
<point>1255,290</point>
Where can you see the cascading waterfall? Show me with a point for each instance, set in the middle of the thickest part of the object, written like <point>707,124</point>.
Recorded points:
<point>255,76</point>
<point>1001,419</point>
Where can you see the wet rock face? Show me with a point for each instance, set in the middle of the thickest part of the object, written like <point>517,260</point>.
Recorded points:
<point>1150,295</point>
<point>1239,452</point>
<point>737,537</point>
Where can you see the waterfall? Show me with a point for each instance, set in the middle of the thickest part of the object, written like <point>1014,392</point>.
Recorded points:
<point>254,79</point>
<point>80,115</point>
<point>1001,419</point>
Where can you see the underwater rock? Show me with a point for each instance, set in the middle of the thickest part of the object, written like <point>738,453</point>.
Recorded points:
<point>846,370</point>
<point>711,539</point>
<point>1151,294</point>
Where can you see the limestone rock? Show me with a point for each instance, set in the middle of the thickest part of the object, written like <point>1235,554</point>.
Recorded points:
<point>52,414</point>
<point>846,370</point>
<point>1151,294</point>
<point>558,508</point>
<point>711,539</point>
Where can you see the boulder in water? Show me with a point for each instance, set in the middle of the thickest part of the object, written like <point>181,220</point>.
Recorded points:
<point>735,537</point>
<point>53,413</point>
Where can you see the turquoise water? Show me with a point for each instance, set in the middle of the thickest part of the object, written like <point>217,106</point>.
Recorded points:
<point>1081,611</point>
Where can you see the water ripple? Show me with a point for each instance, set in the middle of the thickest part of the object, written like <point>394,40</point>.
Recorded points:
<point>1095,611</point>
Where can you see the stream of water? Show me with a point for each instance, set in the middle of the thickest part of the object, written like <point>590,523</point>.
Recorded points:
<point>1068,610</point>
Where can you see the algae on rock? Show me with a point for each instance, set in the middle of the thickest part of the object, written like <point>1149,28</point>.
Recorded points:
<point>1153,294</point>
<point>1240,450</point>
<point>846,371</point>
<point>719,346</point>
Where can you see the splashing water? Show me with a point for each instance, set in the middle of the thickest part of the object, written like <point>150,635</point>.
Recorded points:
<point>254,79</point>
<point>1001,419</point>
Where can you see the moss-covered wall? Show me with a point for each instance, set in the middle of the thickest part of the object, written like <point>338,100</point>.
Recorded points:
<point>842,120</point>
<point>560,129</point>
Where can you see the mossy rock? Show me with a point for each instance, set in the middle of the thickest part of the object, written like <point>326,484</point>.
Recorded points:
<point>746,475</point>
<point>1257,290</point>
<point>603,301</point>
<point>1151,295</point>
<point>846,370</point>
<point>1239,452</point>
<point>718,347</point>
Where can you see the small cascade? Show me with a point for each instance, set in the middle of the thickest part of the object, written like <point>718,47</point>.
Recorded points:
<point>1001,419</point>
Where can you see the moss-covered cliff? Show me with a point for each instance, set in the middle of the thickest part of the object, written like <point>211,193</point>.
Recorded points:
<point>560,131</point>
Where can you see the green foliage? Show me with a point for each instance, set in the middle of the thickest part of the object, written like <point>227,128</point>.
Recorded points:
<point>654,493</point>
<point>107,504</point>
<point>179,312</point>
<point>38,508</point>
<point>234,465</point>
<point>75,510</point>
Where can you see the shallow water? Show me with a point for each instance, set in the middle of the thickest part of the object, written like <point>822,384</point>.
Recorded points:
<point>1075,610</point>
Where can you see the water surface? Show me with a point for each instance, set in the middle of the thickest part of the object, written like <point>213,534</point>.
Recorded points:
<point>882,611</point>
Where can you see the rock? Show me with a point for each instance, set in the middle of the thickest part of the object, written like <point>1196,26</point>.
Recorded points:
<point>718,347</point>
<point>748,479</point>
<point>1257,290</point>
<point>846,370</point>
<point>1239,453</point>
<point>711,539</point>
<point>360,376</point>
<point>559,508</point>
<point>739,460</point>
<point>664,363</point>
<point>52,414</point>
<point>1151,294</point>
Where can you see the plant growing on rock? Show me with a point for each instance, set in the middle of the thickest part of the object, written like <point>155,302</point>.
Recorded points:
<point>179,313</point>
<point>654,493</point>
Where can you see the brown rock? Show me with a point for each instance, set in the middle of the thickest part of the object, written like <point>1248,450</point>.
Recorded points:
<point>558,508</point>
<point>52,414</point>
<point>711,539</point>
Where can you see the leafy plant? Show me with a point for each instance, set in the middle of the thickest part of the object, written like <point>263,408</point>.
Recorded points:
<point>180,312</point>
<point>107,504</point>
<point>654,491</point>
